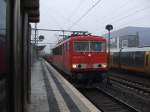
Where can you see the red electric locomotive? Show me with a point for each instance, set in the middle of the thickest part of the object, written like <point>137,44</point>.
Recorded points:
<point>83,57</point>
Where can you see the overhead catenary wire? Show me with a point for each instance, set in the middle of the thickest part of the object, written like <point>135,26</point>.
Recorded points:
<point>120,19</point>
<point>73,13</point>
<point>109,15</point>
<point>137,20</point>
<point>117,9</point>
<point>77,21</point>
<point>128,15</point>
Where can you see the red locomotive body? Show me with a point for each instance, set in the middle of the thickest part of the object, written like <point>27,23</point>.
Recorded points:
<point>83,57</point>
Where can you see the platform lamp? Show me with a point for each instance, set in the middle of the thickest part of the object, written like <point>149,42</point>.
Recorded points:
<point>109,27</point>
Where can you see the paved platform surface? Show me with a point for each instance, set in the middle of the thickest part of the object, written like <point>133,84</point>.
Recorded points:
<point>39,102</point>
<point>50,92</point>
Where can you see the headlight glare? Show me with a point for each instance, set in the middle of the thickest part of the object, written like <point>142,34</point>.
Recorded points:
<point>74,66</point>
<point>104,65</point>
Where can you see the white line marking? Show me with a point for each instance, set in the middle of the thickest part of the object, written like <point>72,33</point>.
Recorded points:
<point>66,84</point>
<point>61,103</point>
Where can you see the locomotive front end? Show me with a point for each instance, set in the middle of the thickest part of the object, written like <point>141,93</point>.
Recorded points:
<point>89,58</point>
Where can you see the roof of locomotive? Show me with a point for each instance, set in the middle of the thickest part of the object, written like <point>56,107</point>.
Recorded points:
<point>82,38</point>
<point>132,49</point>
<point>89,37</point>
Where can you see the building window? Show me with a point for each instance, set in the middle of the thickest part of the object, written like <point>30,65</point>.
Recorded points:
<point>124,43</point>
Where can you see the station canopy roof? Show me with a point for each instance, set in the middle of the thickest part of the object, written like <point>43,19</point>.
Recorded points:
<point>32,8</point>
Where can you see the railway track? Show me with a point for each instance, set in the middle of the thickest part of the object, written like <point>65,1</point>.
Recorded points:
<point>122,95</point>
<point>138,87</point>
<point>106,102</point>
<point>132,90</point>
<point>136,78</point>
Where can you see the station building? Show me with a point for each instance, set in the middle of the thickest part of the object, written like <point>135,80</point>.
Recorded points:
<point>130,37</point>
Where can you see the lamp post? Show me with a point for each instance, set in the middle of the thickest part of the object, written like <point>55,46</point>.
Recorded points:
<point>109,27</point>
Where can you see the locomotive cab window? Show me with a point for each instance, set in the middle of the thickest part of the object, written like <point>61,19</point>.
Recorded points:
<point>81,46</point>
<point>97,46</point>
<point>89,46</point>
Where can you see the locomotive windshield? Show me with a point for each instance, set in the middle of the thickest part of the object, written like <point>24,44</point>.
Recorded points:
<point>81,46</point>
<point>89,46</point>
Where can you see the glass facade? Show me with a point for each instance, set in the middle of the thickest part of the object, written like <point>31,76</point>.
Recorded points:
<point>2,36</point>
<point>3,63</point>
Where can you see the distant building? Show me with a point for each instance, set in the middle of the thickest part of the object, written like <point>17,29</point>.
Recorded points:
<point>130,37</point>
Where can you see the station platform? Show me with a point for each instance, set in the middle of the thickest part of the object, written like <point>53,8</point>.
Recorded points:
<point>50,92</point>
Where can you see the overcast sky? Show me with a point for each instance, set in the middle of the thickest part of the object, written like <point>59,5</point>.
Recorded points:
<point>67,14</point>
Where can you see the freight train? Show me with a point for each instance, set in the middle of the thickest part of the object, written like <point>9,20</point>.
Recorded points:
<point>131,59</point>
<point>82,57</point>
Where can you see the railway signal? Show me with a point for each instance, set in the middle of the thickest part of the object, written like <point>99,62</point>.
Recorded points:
<point>109,27</point>
<point>41,38</point>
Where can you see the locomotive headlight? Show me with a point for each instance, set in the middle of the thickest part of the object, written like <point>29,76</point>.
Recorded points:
<point>89,55</point>
<point>104,65</point>
<point>74,66</point>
